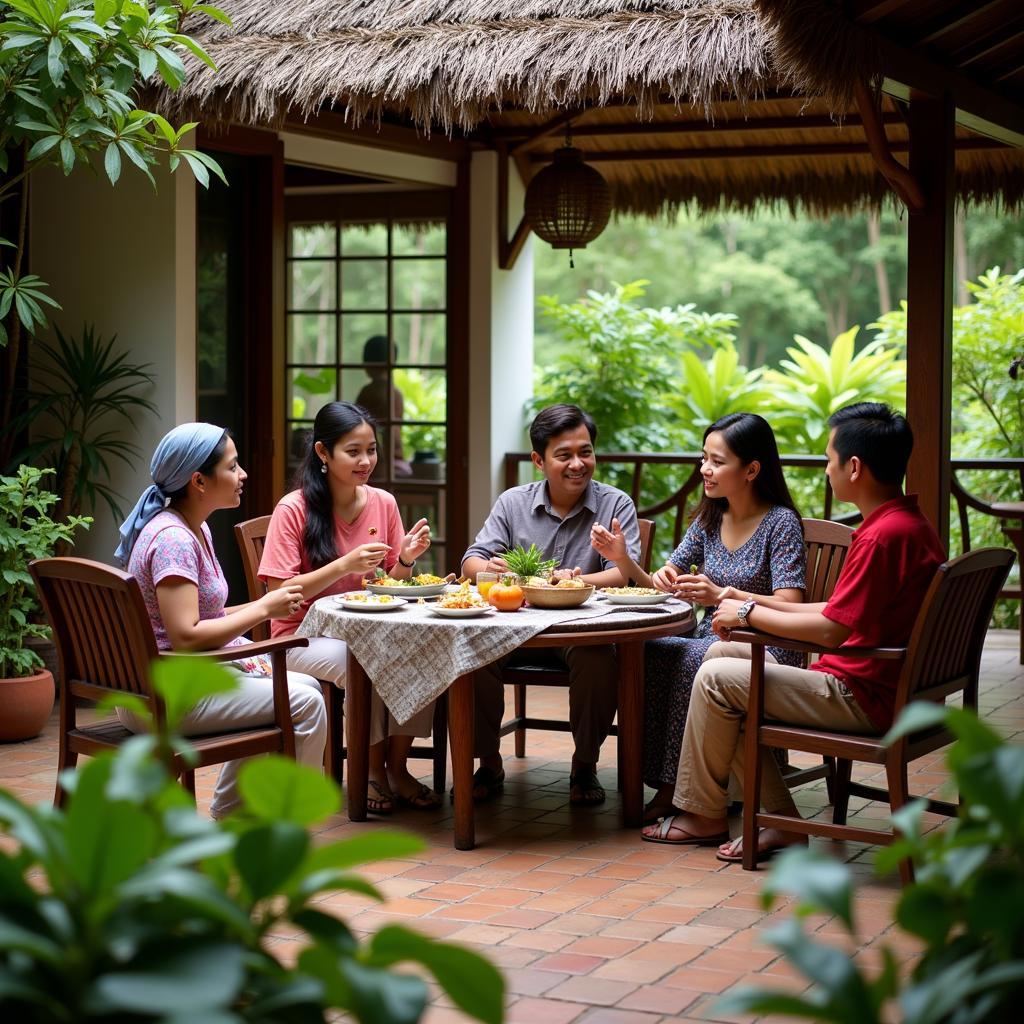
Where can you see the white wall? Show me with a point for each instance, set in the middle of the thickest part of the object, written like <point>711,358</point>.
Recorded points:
<point>123,259</point>
<point>501,336</point>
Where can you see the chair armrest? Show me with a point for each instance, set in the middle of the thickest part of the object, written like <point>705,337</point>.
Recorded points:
<point>755,636</point>
<point>243,650</point>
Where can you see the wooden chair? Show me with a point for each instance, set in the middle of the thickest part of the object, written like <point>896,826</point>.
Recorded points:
<point>827,544</point>
<point>106,645</point>
<point>942,659</point>
<point>251,536</point>
<point>554,673</point>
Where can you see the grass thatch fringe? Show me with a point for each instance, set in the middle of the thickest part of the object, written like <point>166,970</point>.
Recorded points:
<point>818,51</point>
<point>457,73</point>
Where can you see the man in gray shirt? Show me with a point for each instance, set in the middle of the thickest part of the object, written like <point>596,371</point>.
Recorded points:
<point>557,514</point>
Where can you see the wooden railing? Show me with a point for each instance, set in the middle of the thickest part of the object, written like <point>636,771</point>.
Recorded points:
<point>679,502</point>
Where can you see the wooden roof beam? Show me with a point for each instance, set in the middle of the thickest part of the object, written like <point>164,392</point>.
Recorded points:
<point>751,152</point>
<point>956,20</point>
<point>867,11</point>
<point>904,184</point>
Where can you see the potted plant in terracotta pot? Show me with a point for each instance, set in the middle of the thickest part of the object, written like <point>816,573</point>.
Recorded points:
<point>26,532</point>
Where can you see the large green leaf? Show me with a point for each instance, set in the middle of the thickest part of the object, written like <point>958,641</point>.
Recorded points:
<point>186,680</point>
<point>278,789</point>
<point>815,881</point>
<point>268,855</point>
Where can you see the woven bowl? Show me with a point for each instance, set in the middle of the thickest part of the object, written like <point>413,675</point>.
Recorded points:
<point>558,597</point>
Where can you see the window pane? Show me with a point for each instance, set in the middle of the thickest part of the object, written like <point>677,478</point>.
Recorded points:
<point>419,337</point>
<point>309,390</point>
<point>364,239</point>
<point>356,330</point>
<point>418,284</point>
<point>298,437</point>
<point>312,239</point>
<point>418,239</point>
<point>364,284</point>
<point>424,394</point>
<point>311,284</point>
<point>425,450</point>
<point>312,337</point>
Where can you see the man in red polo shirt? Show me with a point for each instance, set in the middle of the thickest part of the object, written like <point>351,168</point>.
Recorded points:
<point>890,565</point>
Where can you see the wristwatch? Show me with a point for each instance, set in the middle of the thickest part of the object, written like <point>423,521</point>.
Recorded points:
<point>744,610</point>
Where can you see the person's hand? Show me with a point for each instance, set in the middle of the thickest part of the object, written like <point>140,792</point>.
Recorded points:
<point>567,574</point>
<point>364,558</point>
<point>725,618</point>
<point>698,589</point>
<point>415,542</point>
<point>609,544</point>
<point>495,564</point>
<point>280,603</point>
<point>665,578</point>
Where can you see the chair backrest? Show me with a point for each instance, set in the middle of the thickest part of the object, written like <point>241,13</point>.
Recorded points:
<point>100,626</point>
<point>251,536</point>
<point>944,653</point>
<point>827,545</point>
<point>646,542</point>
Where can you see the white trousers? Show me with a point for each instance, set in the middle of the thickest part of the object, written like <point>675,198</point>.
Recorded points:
<point>248,707</point>
<point>326,658</point>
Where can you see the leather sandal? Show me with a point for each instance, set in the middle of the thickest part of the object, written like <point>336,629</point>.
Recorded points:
<point>487,783</point>
<point>378,799</point>
<point>590,791</point>
<point>424,799</point>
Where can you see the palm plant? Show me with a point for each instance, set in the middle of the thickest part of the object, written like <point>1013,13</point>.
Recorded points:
<point>86,400</point>
<point>818,381</point>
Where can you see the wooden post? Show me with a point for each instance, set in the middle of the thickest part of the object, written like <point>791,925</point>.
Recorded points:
<point>930,307</point>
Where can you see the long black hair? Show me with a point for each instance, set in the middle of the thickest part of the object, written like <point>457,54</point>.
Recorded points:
<point>750,438</point>
<point>332,423</point>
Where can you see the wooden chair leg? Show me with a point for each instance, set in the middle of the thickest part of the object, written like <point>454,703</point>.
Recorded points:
<point>519,691</point>
<point>188,783</point>
<point>334,750</point>
<point>841,790</point>
<point>440,743</point>
<point>830,777</point>
<point>899,796</point>
<point>65,759</point>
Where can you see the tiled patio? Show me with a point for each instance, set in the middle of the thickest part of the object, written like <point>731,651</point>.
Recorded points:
<point>588,923</point>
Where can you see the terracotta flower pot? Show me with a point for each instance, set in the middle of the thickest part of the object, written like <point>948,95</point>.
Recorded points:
<point>25,705</point>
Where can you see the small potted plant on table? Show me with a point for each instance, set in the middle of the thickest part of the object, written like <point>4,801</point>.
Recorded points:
<point>26,532</point>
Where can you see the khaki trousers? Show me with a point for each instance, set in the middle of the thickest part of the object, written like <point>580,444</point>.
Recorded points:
<point>326,658</point>
<point>593,697</point>
<point>713,740</point>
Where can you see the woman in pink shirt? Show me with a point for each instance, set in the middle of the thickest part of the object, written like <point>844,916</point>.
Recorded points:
<point>326,537</point>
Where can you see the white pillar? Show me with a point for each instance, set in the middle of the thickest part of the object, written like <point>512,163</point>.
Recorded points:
<point>123,259</point>
<point>501,337</point>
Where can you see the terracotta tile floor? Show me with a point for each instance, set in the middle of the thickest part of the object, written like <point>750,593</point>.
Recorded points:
<point>590,925</point>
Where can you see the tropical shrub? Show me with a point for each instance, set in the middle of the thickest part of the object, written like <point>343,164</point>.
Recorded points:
<point>27,531</point>
<point>966,907</point>
<point>129,905</point>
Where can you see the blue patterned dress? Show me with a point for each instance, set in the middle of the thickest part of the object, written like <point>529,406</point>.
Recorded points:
<point>774,558</point>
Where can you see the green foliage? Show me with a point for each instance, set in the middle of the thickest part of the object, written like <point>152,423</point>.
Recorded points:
<point>130,906</point>
<point>26,532</point>
<point>72,73</point>
<point>966,906</point>
<point>815,382</point>
<point>88,400</point>
<point>423,395</point>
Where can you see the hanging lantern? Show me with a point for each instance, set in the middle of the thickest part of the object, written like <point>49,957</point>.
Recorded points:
<point>568,202</point>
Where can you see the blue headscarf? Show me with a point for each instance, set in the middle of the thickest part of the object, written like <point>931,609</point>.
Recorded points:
<point>180,454</point>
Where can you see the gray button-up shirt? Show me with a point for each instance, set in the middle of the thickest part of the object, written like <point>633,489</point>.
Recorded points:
<point>523,515</point>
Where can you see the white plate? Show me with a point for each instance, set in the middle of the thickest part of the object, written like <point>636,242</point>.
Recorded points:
<point>659,598</point>
<point>430,590</point>
<point>344,601</point>
<point>461,613</point>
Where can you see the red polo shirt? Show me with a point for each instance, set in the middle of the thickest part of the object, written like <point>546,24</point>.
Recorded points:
<point>890,565</point>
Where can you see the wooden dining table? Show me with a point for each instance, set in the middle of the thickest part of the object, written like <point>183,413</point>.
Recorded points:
<point>627,628</point>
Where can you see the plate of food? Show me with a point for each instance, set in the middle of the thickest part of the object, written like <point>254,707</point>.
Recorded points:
<point>361,601</point>
<point>423,585</point>
<point>461,603</point>
<point>635,595</point>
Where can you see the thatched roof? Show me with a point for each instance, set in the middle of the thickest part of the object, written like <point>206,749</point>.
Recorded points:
<point>681,100</point>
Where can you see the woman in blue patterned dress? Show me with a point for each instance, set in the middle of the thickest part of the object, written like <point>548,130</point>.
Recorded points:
<point>745,538</point>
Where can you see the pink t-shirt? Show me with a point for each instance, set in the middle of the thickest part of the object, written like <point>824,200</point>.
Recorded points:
<point>284,555</point>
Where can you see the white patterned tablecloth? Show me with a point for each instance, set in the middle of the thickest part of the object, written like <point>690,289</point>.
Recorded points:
<point>412,655</point>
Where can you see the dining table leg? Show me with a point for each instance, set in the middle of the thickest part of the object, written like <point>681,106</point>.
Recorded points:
<point>631,727</point>
<point>357,707</point>
<point>461,729</point>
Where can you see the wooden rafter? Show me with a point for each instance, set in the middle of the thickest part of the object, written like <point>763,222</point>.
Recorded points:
<point>508,248</point>
<point>904,184</point>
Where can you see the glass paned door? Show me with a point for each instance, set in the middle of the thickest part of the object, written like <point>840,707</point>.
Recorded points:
<point>367,323</point>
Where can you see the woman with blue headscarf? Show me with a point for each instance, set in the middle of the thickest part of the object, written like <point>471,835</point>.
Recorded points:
<point>166,545</point>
